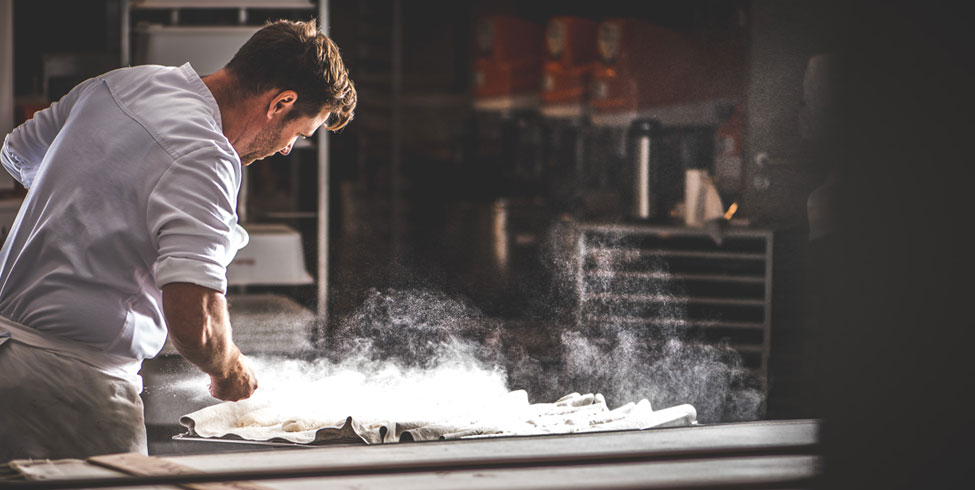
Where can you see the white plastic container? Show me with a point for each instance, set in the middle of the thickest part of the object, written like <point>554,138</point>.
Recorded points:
<point>273,257</point>
<point>206,48</point>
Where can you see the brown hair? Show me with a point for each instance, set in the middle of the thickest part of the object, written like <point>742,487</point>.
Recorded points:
<point>289,55</point>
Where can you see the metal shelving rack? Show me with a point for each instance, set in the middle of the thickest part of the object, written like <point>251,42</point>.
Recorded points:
<point>266,324</point>
<point>243,7</point>
<point>674,280</point>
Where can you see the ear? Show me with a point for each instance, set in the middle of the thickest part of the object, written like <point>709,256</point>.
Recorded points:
<point>282,103</point>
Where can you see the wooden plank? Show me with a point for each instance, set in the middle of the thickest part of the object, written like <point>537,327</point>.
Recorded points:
<point>751,473</point>
<point>69,469</point>
<point>773,454</point>
<point>735,473</point>
<point>671,442</point>
<point>141,465</point>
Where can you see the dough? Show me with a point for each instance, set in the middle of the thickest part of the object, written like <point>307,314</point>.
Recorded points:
<point>262,417</point>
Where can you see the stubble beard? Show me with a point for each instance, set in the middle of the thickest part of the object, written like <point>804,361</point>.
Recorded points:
<point>264,145</point>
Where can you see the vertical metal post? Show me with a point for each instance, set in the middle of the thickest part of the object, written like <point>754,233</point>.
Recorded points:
<point>766,351</point>
<point>396,158</point>
<point>125,45</point>
<point>6,67</point>
<point>323,196</point>
<point>6,80</point>
<point>580,267</point>
<point>243,195</point>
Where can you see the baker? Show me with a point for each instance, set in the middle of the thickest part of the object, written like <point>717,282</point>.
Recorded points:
<point>127,229</point>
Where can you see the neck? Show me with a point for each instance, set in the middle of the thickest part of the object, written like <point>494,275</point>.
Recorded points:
<point>233,108</point>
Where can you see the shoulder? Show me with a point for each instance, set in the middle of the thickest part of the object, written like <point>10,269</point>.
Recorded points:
<point>213,163</point>
<point>203,183</point>
<point>173,105</point>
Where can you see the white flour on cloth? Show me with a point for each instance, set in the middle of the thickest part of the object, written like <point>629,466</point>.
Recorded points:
<point>392,405</point>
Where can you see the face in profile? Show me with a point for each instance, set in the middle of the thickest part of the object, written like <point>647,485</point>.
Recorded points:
<point>280,133</point>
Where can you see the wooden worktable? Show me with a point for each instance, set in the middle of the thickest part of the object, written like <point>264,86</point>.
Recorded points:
<point>770,454</point>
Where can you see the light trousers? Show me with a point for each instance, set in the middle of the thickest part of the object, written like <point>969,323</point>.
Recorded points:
<point>54,404</point>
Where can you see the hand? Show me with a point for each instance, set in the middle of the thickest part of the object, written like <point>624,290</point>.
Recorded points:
<point>238,384</point>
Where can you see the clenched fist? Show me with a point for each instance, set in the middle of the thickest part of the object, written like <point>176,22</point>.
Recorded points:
<point>239,383</point>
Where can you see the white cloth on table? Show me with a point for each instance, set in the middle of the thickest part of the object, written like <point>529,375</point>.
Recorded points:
<point>132,186</point>
<point>62,399</point>
<point>508,415</point>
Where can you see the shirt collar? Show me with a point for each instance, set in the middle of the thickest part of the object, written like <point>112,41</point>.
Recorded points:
<point>201,88</point>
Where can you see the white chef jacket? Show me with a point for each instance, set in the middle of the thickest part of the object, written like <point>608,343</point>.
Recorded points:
<point>132,185</point>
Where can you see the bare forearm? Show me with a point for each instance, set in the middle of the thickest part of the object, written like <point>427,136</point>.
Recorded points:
<point>199,327</point>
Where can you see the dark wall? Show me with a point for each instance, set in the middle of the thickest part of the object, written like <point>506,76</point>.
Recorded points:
<point>784,35</point>
<point>885,326</point>
<point>896,276</point>
<point>781,171</point>
<point>60,27</point>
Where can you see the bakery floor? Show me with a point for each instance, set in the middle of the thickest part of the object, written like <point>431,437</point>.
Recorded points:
<point>768,454</point>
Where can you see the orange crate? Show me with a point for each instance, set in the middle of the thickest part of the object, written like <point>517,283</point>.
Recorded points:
<point>508,56</point>
<point>571,46</point>
<point>643,65</point>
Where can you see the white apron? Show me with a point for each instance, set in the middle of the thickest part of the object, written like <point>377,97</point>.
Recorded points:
<point>63,399</point>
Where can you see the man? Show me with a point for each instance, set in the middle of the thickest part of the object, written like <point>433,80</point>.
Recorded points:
<point>128,227</point>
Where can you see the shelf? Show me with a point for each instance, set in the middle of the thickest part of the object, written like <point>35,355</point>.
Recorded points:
<point>750,279</point>
<point>702,113</point>
<point>290,214</point>
<point>740,348</point>
<point>616,320</point>
<point>660,298</point>
<point>235,4</point>
<point>634,253</point>
<point>669,230</point>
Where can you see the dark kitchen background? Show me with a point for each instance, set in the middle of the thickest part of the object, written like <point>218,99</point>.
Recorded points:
<point>460,185</point>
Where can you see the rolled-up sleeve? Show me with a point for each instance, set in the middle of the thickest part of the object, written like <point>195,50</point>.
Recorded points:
<point>24,148</point>
<point>192,216</point>
<point>18,168</point>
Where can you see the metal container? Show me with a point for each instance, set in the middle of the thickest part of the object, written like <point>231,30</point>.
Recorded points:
<point>642,134</point>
